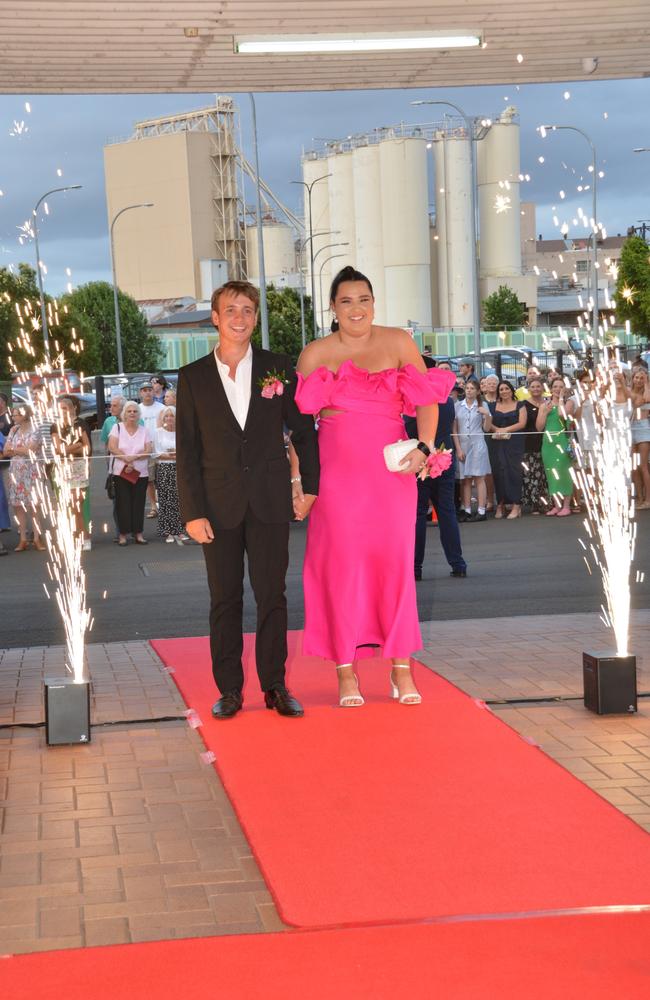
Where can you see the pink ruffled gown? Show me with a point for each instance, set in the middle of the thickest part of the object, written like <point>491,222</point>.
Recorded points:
<point>358,573</point>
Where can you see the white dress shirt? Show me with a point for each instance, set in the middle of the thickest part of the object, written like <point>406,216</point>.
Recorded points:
<point>238,391</point>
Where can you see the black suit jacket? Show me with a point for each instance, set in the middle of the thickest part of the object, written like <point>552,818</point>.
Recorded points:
<point>221,468</point>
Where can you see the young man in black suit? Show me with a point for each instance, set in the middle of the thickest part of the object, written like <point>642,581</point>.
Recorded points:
<point>235,491</point>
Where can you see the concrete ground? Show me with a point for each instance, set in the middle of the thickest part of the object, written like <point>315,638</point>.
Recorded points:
<point>132,837</point>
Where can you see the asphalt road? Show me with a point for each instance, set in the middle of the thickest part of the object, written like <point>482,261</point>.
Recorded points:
<point>528,566</point>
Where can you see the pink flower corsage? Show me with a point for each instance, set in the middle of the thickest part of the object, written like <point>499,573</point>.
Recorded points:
<point>437,463</point>
<point>273,384</point>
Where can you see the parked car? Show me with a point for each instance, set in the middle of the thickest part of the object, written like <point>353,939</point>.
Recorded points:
<point>70,380</point>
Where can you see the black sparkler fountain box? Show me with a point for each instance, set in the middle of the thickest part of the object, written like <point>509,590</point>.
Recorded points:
<point>609,683</point>
<point>67,711</point>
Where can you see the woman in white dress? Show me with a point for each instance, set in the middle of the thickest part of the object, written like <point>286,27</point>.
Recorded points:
<point>471,452</point>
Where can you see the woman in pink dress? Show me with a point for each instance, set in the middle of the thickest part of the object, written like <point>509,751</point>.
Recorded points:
<point>358,574</point>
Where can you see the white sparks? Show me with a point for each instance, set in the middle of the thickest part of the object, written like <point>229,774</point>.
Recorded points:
<point>502,203</point>
<point>566,95</point>
<point>520,58</point>
<point>604,482</point>
<point>540,159</point>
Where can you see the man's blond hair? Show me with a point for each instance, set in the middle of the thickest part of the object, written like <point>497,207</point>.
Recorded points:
<point>236,288</point>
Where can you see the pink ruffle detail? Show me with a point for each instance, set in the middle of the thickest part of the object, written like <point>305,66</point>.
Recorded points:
<point>422,389</point>
<point>416,388</point>
<point>313,392</point>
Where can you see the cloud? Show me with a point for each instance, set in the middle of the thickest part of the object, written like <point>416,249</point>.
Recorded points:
<point>69,133</point>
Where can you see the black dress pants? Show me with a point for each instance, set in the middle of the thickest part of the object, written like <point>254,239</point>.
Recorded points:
<point>267,548</point>
<point>129,504</point>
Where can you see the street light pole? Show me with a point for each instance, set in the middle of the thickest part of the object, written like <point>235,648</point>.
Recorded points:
<point>116,306</point>
<point>320,276</point>
<point>309,188</point>
<point>469,125</point>
<point>39,274</point>
<point>594,228</point>
<point>264,313</point>
<point>320,284</point>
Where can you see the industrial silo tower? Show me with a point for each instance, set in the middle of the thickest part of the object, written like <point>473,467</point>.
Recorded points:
<point>189,166</point>
<point>372,207</point>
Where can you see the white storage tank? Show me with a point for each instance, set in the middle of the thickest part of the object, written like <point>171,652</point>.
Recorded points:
<point>312,169</point>
<point>279,250</point>
<point>369,251</point>
<point>342,224</point>
<point>458,223</point>
<point>440,188</point>
<point>405,231</point>
<point>499,197</point>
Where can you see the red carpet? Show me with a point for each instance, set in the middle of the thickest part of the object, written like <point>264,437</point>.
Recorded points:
<point>391,813</point>
<point>564,958</point>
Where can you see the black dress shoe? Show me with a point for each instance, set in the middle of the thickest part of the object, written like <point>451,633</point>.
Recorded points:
<point>462,515</point>
<point>458,572</point>
<point>228,705</point>
<point>479,517</point>
<point>283,702</point>
<point>418,574</point>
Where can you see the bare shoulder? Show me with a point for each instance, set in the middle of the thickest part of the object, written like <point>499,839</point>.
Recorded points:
<point>402,345</point>
<point>314,355</point>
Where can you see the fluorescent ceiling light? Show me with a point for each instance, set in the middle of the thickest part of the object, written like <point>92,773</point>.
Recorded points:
<point>301,44</point>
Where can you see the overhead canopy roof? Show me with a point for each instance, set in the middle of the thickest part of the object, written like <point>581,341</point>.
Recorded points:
<point>126,46</point>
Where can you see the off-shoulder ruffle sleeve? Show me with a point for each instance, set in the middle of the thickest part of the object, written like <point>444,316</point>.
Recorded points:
<point>422,389</point>
<point>314,392</point>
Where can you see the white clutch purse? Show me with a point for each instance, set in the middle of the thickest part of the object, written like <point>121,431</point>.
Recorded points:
<point>394,453</point>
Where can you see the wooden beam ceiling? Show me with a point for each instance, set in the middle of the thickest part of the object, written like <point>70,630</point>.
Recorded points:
<point>140,46</point>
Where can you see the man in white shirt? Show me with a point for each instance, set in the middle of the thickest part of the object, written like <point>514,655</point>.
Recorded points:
<point>150,410</point>
<point>236,494</point>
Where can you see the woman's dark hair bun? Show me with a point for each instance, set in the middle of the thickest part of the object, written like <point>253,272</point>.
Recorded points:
<point>348,273</point>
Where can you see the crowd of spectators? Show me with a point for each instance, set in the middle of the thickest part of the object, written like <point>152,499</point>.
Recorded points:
<point>138,440</point>
<point>514,449</point>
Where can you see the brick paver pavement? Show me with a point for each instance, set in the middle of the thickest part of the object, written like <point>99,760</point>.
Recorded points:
<point>132,837</point>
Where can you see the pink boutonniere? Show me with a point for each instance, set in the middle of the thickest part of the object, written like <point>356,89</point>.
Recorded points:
<point>273,384</point>
<point>437,463</point>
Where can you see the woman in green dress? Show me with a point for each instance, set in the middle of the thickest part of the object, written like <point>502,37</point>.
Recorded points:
<point>554,417</point>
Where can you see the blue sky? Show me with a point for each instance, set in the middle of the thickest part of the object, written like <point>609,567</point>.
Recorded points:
<point>68,133</point>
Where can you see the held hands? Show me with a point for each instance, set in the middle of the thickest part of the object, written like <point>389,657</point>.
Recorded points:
<point>302,502</point>
<point>200,530</point>
<point>302,505</point>
<point>460,454</point>
<point>412,464</point>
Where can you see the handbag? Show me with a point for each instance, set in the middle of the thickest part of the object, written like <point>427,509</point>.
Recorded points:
<point>394,453</point>
<point>131,477</point>
<point>109,486</point>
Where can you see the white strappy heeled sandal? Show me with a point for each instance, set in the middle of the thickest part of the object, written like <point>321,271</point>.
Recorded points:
<point>410,697</point>
<point>351,700</point>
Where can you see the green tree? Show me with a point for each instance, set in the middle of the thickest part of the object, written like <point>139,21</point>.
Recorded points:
<point>90,308</point>
<point>502,309</point>
<point>21,337</point>
<point>285,334</point>
<point>633,286</point>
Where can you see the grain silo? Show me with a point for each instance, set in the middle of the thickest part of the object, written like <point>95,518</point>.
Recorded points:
<point>498,185</point>
<point>405,229</point>
<point>279,251</point>
<point>440,182</point>
<point>457,210</point>
<point>368,256</point>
